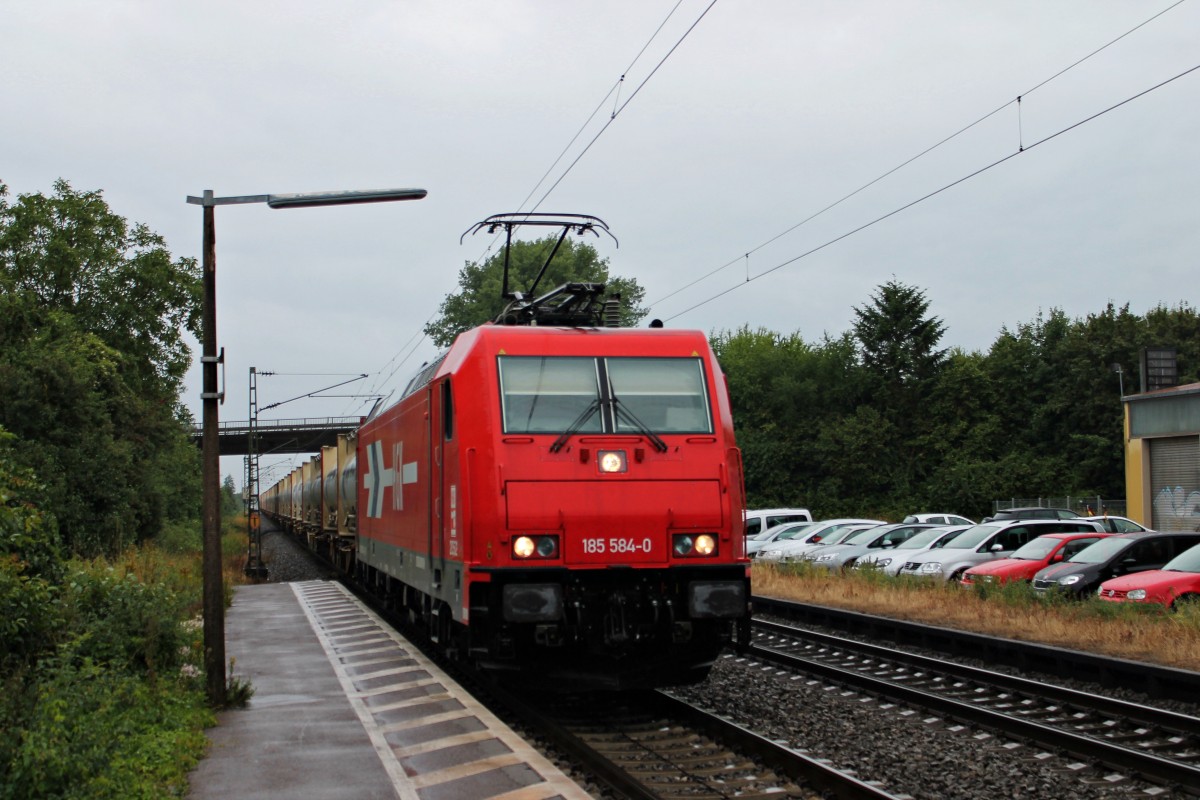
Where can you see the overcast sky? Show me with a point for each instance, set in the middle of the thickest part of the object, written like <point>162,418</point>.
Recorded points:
<point>767,112</point>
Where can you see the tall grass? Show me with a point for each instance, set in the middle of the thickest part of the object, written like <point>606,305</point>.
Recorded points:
<point>107,700</point>
<point>1125,630</point>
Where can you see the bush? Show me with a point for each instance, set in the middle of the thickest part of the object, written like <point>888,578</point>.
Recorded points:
<point>98,733</point>
<point>29,617</point>
<point>180,538</point>
<point>122,622</point>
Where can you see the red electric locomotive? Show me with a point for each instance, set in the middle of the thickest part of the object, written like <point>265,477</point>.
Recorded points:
<point>561,498</point>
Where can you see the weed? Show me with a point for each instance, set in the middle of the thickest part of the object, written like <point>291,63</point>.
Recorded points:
<point>238,691</point>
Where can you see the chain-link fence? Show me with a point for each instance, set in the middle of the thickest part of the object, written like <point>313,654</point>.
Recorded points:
<point>1087,505</point>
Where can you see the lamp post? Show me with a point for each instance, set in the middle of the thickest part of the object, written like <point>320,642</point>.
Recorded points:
<point>214,599</point>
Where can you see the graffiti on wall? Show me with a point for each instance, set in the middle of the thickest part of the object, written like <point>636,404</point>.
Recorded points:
<point>1177,509</point>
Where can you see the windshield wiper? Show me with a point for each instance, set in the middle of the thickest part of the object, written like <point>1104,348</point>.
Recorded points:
<point>631,418</point>
<point>574,427</point>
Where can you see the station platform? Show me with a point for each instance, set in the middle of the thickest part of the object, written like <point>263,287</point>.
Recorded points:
<point>344,707</point>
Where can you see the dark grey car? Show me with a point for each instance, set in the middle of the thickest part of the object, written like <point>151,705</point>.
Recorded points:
<point>1117,555</point>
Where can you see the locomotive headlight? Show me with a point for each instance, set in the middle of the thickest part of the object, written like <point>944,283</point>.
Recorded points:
<point>688,545</point>
<point>535,547</point>
<point>612,461</point>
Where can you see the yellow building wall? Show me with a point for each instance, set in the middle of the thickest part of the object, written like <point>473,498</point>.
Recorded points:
<point>1137,477</point>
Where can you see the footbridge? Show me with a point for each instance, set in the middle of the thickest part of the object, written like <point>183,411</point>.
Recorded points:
<point>280,435</point>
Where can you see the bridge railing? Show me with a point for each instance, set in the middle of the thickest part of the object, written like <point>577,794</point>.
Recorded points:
<point>228,427</point>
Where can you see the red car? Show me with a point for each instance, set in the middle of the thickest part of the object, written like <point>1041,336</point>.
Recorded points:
<point>1026,560</point>
<point>1176,584</point>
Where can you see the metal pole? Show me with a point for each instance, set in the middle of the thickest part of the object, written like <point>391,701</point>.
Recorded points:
<point>214,591</point>
<point>214,594</point>
<point>255,568</point>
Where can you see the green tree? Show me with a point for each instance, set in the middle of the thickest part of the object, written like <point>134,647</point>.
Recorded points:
<point>231,500</point>
<point>898,339</point>
<point>898,342</point>
<point>70,252</point>
<point>92,358</point>
<point>478,299</point>
<point>784,392</point>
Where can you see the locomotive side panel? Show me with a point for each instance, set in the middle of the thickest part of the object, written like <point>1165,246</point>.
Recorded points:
<point>395,533</point>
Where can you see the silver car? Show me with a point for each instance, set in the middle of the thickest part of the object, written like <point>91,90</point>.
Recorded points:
<point>841,556</point>
<point>891,561</point>
<point>985,542</point>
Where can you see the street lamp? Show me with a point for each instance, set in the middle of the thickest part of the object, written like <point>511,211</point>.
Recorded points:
<point>214,600</point>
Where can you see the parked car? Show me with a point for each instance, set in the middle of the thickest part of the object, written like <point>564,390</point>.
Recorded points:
<point>939,519</point>
<point>798,532</point>
<point>841,556</point>
<point>758,520</point>
<point>831,539</point>
<point>1111,557</point>
<point>1032,512</point>
<point>826,530</point>
<point>891,561</point>
<point>1117,524</point>
<point>1175,585</point>
<point>1027,559</point>
<point>762,538</point>
<point>987,542</point>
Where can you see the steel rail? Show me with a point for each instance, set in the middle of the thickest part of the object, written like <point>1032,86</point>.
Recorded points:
<point>1147,715</point>
<point>1150,679</point>
<point>1147,765</point>
<point>820,775</point>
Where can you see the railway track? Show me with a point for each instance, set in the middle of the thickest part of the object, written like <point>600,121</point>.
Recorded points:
<point>652,746</point>
<point>1154,744</point>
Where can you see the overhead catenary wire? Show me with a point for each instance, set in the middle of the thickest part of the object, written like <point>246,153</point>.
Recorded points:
<point>603,102</point>
<point>407,350</point>
<point>612,117</point>
<point>918,156</point>
<point>938,191</point>
<point>623,105</point>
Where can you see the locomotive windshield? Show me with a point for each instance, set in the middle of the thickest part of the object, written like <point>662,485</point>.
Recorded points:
<point>549,394</point>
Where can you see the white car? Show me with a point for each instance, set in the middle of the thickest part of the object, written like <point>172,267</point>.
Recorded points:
<point>825,531</point>
<point>760,519</point>
<point>890,562</point>
<point>786,531</point>
<point>1117,524</point>
<point>939,519</point>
